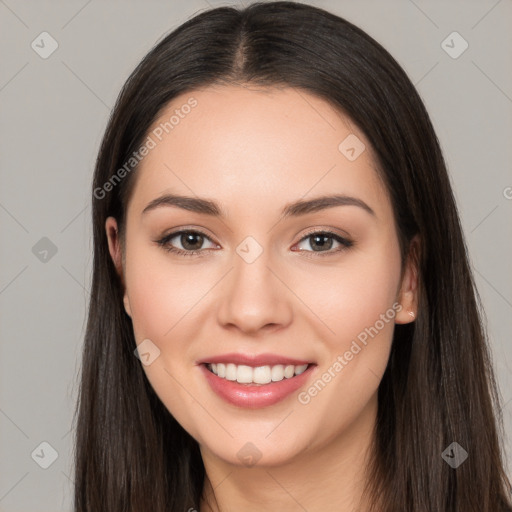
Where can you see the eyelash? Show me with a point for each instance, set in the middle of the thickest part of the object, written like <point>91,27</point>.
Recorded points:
<point>164,243</point>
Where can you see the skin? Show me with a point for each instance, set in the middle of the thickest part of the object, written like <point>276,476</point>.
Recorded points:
<point>254,151</point>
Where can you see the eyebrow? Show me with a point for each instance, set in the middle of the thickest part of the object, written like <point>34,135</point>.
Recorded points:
<point>295,209</point>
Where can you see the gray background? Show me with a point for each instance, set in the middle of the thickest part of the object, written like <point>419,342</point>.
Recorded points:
<point>53,113</point>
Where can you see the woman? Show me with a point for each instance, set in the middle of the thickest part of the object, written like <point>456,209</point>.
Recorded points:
<point>282,313</point>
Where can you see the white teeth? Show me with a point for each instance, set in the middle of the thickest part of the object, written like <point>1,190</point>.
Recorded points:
<point>220,370</point>
<point>244,374</point>
<point>300,369</point>
<point>230,371</point>
<point>277,372</point>
<point>289,371</point>
<point>262,375</point>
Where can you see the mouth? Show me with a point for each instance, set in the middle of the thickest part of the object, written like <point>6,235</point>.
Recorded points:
<point>259,375</point>
<point>246,382</point>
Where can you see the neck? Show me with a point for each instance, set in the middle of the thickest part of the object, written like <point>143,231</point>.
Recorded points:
<point>328,477</point>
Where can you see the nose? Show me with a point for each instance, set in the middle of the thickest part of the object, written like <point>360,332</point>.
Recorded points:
<point>254,298</point>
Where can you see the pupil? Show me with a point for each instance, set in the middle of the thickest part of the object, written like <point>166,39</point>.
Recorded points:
<point>187,240</point>
<point>321,243</point>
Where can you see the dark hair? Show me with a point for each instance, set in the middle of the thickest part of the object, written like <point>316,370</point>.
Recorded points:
<point>438,387</point>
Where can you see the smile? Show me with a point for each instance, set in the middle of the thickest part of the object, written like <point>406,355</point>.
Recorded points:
<point>255,381</point>
<point>244,374</point>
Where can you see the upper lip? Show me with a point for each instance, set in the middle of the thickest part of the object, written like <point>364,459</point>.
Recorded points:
<point>253,360</point>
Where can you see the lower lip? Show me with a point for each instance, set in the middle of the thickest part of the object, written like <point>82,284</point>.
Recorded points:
<point>255,396</point>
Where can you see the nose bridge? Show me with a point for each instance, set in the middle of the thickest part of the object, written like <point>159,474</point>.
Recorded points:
<point>253,297</point>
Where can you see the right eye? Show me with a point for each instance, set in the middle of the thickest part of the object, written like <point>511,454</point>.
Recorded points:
<point>189,240</point>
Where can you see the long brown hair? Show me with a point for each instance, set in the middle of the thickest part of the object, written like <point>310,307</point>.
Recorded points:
<point>438,388</point>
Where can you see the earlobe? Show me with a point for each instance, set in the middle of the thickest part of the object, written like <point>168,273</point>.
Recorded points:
<point>127,307</point>
<point>408,295</point>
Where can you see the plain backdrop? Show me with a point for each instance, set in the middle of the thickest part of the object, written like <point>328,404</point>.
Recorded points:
<point>53,114</point>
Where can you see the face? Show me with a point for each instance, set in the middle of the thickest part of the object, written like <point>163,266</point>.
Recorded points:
<point>291,300</point>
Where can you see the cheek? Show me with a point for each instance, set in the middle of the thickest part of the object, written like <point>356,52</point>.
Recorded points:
<point>360,309</point>
<point>160,292</point>
<point>164,301</point>
<point>358,303</point>
<point>352,296</point>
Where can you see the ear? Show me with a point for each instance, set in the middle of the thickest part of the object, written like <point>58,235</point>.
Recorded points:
<point>114,247</point>
<point>408,294</point>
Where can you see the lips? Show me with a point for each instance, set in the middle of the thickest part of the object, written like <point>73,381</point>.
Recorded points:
<point>254,360</point>
<point>254,395</point>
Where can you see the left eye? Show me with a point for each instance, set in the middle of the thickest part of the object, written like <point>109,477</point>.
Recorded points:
<point>191,242</point>
<point>322,241</point>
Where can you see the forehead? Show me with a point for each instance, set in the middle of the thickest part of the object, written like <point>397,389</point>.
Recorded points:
<point>269,146</point>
